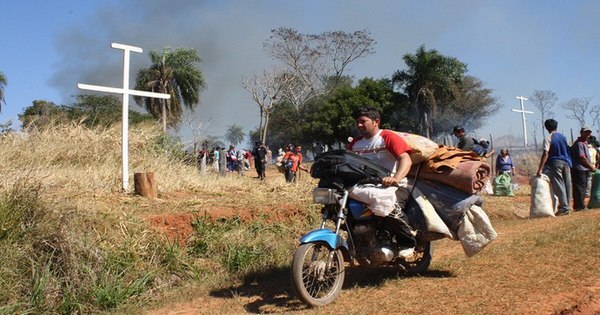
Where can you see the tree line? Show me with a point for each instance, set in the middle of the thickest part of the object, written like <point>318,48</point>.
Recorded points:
<point>307,97</point>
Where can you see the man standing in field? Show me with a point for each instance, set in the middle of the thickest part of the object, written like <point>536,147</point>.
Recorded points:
<point>582,168</point>
<point>557,163</point>
<point>260,159</point>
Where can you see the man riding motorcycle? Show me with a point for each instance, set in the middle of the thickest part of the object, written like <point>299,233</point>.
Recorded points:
<point>389,150</point>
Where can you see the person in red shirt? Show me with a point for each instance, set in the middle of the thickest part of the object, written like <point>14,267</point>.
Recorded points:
<point>391,151</point>
<point>382,146</point>
<point>292,162</point>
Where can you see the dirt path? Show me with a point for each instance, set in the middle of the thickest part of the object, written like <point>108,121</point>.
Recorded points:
<point>492,282</point>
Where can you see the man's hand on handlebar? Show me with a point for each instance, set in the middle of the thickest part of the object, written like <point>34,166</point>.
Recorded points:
<point>390,181</point>
<point>386,181</point>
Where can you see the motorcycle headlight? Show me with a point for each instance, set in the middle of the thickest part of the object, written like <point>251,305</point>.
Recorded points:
<point>324,196</point>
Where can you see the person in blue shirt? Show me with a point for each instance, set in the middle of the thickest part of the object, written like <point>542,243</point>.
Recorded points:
<point>504,163</point>
<point>556,163</point>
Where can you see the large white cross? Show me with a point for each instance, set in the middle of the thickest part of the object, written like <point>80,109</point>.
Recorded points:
<point>125,91</point>
<point>523,112</point>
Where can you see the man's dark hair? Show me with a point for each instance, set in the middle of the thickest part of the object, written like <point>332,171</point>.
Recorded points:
<point>458,129</point>
<point>551,125</point>
<point>370,112</point>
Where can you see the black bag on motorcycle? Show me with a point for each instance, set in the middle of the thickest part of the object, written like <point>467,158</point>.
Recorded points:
<point>346,168</point>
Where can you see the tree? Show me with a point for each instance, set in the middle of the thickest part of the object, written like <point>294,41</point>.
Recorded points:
<point>198,131</point>
<point>42,113</point>
<point>266,90</point>
<point>544,101</point>
<point>286,127</point>
<point>578,108</point>
<point>595,114</point>
<point>339,49</point>
<point>234,134</point>
<point>210,142</point>
<point>471,106</point>
<point>90,110</point>
<point>101,110</point>
<point>2,85</point>
<point>332,123</point>
<point>313,60</point>
<point>6,128</point>
<point>174,72</point>
<point>429,82</point>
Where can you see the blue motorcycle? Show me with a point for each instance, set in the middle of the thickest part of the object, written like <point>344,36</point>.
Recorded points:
<point>351,233</point>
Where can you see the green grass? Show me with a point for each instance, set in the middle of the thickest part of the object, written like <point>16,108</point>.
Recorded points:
<point>65,260</point>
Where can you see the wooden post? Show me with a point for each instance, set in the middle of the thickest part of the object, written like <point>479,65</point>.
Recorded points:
<point>145,185</point>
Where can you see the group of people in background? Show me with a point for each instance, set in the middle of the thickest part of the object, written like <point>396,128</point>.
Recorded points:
<point>224,160</point>
<point>241,160</point>
<point>568,167</point>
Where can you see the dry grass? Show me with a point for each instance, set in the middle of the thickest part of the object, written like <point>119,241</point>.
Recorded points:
<point>99,240</point>
<point>74,159</point>
<point>87,247</point>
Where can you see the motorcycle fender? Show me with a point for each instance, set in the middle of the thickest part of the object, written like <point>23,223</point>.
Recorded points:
<point>324,235</point>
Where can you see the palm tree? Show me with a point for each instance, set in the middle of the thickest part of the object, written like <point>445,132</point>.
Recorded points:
<point>234,134</point>
<point>174,72</point>
<point>2,85</point>
<point>428,81</point>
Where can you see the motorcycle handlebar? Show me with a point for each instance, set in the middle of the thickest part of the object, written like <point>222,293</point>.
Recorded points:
<point>371,180</point>
<point>374,181</point>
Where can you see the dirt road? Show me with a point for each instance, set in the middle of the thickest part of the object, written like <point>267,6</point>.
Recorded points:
<point>530,269</point>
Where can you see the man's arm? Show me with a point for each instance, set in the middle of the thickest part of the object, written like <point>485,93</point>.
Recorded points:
<point>300,166</point>
<point>584,161</point>
<point>487,155</point>
<point>542,163</point>
<point>404,164</point>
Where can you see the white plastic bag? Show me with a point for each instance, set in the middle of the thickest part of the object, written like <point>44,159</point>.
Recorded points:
<point>541,197</point>
<point>381,200</point>
<point>475,231</point>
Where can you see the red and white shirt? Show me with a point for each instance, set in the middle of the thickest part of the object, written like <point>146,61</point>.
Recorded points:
<point>384,148</point>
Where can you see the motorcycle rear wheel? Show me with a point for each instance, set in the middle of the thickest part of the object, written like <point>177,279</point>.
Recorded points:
<point>317,273</point>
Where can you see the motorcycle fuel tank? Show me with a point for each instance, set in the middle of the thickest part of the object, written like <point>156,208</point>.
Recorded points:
<point>359,210</point>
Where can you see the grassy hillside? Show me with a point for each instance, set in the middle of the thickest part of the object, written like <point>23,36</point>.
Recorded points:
<point>72,242</point>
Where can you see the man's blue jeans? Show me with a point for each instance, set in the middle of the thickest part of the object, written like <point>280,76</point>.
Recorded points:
<point>559,173</point>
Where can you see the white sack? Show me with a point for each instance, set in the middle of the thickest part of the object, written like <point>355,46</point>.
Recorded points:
<point>541,197</point>
<point>475,231</point>
<point>433,220</point>
<point>381,200</point>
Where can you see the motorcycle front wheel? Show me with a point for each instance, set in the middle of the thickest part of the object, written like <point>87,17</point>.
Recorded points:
<point>317,273</point>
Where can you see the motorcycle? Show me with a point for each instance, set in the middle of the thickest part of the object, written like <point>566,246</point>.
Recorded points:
<point>358,237</point>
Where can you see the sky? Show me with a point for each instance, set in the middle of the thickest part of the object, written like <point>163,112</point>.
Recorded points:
<point>514,46</point>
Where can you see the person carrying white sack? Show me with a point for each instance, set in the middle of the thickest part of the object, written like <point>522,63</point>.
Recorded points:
<point>388,149</point>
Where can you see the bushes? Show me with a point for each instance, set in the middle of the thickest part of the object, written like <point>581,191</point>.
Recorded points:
<point>34,257</point>
<point>64,261</point>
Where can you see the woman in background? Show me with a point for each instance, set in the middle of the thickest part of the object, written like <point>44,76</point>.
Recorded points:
<point>504,163</point>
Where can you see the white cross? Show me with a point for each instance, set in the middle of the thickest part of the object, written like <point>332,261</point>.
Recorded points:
<point>523,112</point>
<point>125,91</point>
